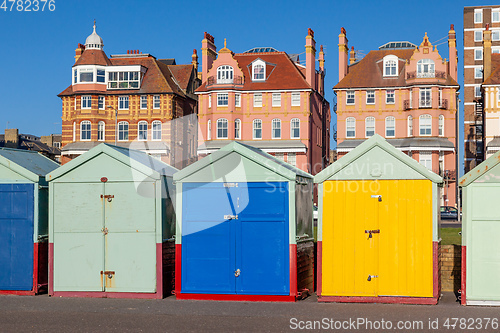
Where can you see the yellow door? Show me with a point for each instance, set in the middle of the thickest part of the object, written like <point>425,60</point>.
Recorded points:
<point>377,238</point>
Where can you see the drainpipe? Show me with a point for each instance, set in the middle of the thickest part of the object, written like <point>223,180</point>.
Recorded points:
<point>457,159</point>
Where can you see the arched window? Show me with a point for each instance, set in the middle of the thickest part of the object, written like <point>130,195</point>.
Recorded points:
<point>258,71</point>
<point>410,126</point>
<point>257,129</point>
<point>295,128</point>
<point>441,125</point>
<point>122,131</point>
<point>224,74</point>
<point>74,130</point>
<point>222,128</point>
<point>209,130</point>
<point>276,131</point>
<point>350,125</point>
<point>425,125</point>
<point>142,131</point>
<point>369,126</point>
<point>85,130</point>
<point>237,129</point>
<point>390,127</point>
<point>156,130</point>
<point>390,65</point>
<point>425,68</point>
<point>101,128</point>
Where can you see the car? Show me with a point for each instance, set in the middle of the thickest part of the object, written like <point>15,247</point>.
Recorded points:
<point>449,213</point>
<point>315,215</point>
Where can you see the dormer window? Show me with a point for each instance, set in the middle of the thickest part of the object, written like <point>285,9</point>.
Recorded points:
<point>390,65</point>
<point>425,68</point>
<point>86,75</point>
<point>258,71</point>
<point>225,74</point>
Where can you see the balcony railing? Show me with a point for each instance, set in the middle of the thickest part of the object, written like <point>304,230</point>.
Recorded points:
<point>444,104</point>
<point>432,75</point>
<point>450,175</point>
<point>406,105</point>
<point>236,81</point>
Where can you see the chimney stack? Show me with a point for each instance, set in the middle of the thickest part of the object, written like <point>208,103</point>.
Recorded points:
<point>194,60</point>
<point>452,48</point>
<point>78,52</point>
<point>486,53</point>
<point>321,79</point>
<point>321,59</point>
<point>209,54</point>
<point>311,59</point>
<point>11,138</point>
<point>343,49</point>
<point>352,59</point>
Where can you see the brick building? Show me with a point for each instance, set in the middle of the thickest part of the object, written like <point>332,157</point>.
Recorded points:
<point>13,139</point>
<point>133,100</point>
<point>475,20</point>
<point>407,94</point>
<point>267,99</point>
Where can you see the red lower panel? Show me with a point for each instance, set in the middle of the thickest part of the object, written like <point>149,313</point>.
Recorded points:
<point>463,299</point>
<point>98,294</point>
<point>380,299</point>
<point>178,264</point>
<point>320,268</point>
<point>17,292</point>
<point>293,270</point>
<point>51,269</point>
<point>159,270</point>
<point>244,298</point>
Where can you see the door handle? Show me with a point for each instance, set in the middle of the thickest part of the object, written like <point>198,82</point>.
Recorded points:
<point>237,272</point>
<point>109,197</point>
<point>370,232</point>
<point>370,277</point>
<point>377,196</point>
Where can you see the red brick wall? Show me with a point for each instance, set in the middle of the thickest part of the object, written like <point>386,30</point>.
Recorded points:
<point>168,268</point>
<point>305,266</point>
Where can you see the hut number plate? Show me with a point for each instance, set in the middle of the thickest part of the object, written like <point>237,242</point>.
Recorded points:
<point>230,184</point>
<point>230,217</point>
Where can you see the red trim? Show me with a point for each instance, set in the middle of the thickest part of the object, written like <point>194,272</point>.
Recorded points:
<point>99,294</point>
<point>320,268</point>
<point>178,264</point>
<point>436,274</point>
<point>159,270</point>
<point>293,270</point>
<point>51,269</point>
<point>242,298</point>
<point>463,299</point>
<point>17,292</point>
<point>380,299</point>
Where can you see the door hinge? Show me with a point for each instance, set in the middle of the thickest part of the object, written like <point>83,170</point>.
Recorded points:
<point>237,272</point>
<point>370,277</point>
<point>109,197</point>
<point>377,196</point>
<point>104,231</point>
<point>230,217</point>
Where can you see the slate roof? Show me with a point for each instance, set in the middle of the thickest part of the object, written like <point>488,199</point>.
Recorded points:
<point>494,77</point>
<point>406,143</point>
<point>28,160</point>
<point>260,144</point>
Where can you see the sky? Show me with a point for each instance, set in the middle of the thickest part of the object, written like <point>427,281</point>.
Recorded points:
<point>38,48</point>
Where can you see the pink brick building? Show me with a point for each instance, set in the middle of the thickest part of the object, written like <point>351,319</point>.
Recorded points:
<point>407,94</point>
<point>265,98</point>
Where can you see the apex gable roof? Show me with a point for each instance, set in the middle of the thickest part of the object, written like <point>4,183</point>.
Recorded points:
<point>494,77</point>
<point>480,170</point>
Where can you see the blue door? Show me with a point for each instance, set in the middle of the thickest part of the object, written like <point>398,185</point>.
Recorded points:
<point>16,236</point>
<point>235,238</point>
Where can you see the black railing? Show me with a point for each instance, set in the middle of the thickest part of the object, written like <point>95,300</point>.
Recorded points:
<point>428,75</point>
<point>236,81</point>
<point>444,104</point>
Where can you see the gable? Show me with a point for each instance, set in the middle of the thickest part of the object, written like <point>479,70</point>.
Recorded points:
<point>7,175</point>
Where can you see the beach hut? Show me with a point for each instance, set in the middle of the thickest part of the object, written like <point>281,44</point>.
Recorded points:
<point>244,228</point>
<point>23,221</point>
<point>110,221</point>
<point>480,228</point>
<point>378,228</point>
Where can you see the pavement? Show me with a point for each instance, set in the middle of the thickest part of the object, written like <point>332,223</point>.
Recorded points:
<point>48,314</point>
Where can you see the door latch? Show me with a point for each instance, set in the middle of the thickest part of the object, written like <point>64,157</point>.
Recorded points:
<point>370,277</point>
<point>109,197</point>
<point>104,231</point>
<point>237,272</point>
<point>370,232</point>
<point>230,217</point>
<point>377,196</point>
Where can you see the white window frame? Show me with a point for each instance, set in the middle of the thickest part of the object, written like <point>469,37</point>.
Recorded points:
<point>369,94</point>
<point>478,73</point>
<point>477,91</point>
<point>141,130</point>
<point>276,99</point>
<point>237,100</point>
<point>209,129</point>
<point>478,54</point>
<point>425,158</point>
<point>74,131</point>
<point>294,125</point>
<point>296,99</point>
<point>495,36</point>
<point>255,129</point>
<point>478,16</point>
<point>280,156</point>
<point>410,125</point>
<point>411,98</point>
<point>222,99</point>
<point>258,76</point>
<point>156,102</point>
<point>350,126</point>
<point>86,102</point>
<point>123,103</point>
<point>101,131</point>
<point>101,103</point>
<point>387,96</point>
<point>425,125</point>
<point>225,74</point>
<point>440,97</point>
<point>257,100</point>
<point>350,96</point>
<point>497,12</point>
<point>156,130</point>
<point>369,127</point>
<point>441,125</point>
<point>237,129</point>
<point>391,64</point>
<point>426,68</point>
<point>210,100</point>
<point>87,131</point>
<point>123,134</point>
<point>144,102</point>
<point>423,101</point>
<point>478,36</point>
<point>222,128</point>
<point>390,125</point>
<point>292,159</point>
<point>276,128</point>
